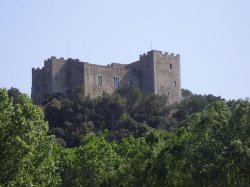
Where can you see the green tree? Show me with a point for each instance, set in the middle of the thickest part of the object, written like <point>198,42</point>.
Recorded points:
<point>218,151</point>
<point>136,156</point>
<point>132,95</point>
<point>69,120</point>
<point>67,166</point>
<point>185,93</point>
<point>238,153</point>
<point>192,103</point>
<point>95,162</point>
<point>26,151</point>
<point>152,109</point>
<point>207,144</point>
<point>169,167</point>
<point>108,110</point>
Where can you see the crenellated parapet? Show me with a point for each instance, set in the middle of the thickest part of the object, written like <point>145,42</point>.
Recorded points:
<point>166,54</point>
<point>38,70</point>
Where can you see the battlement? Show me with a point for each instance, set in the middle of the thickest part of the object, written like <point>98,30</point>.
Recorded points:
<point>53,58</point>
<point>37,69</point>
<point>160,52</point>
<point>72,59</point>
<point>50,59</point>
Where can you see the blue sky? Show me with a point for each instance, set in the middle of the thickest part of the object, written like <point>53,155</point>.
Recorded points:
<point>212,37</point>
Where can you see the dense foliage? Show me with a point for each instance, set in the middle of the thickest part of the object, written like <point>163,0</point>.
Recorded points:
<point>126,139</point>
<point>125,113</point>
<point>26,151</point>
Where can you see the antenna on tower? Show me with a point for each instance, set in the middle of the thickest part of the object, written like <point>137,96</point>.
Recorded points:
<point>67,49</point>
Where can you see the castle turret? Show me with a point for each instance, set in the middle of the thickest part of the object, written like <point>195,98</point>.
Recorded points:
<point>160,74</point>
<point>167,75</point>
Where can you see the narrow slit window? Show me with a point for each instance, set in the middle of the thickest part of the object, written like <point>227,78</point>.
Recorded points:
<point>170,66</point>
<point>116,82</point>
<point>175,84</point>
<point>99,80</point>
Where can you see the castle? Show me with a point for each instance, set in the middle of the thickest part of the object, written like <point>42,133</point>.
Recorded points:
<point>154,73</point>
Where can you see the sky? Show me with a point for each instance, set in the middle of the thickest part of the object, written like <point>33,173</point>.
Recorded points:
<point>211,36</point>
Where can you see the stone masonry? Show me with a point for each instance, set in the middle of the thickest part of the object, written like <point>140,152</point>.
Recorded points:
<point>154,73</point>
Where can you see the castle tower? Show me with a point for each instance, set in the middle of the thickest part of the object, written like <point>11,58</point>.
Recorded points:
<point>57,76</point>
<point>160,74</point>
<point>167,76</point>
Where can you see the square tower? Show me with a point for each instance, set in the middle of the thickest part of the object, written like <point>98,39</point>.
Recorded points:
<point>160,74</point>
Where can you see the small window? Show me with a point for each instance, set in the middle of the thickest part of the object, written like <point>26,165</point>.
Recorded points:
<point>168,93</point>
<point>99,80</point>
<point>116,82</point>
<point>170,66</point>
<point>175,84</point>
<point>130,82</point>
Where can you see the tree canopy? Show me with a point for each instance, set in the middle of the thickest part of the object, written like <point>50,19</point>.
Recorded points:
<point>26,157</point>
<point>124,139</point>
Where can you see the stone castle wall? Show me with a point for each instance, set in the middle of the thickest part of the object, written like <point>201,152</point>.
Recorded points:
<point>160,73</point>
<point>154,73</point>
<point>167,75</point>
<point>93,73</point>
<point>38,85</point>
<point>57,76</point>
<point>146,66</point>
